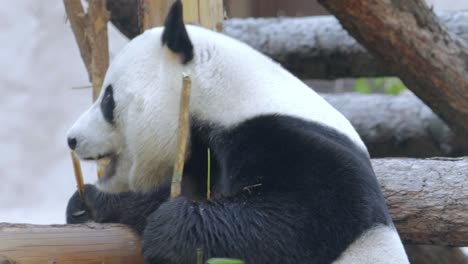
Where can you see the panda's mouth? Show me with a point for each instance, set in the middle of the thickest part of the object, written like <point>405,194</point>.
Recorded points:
<point>107,166</point>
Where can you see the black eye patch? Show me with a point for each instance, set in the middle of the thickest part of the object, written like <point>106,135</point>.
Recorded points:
<point>108,105</point>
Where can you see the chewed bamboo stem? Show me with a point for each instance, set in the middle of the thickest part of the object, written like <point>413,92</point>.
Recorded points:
<point>78,173</point>
<point>182,136</point>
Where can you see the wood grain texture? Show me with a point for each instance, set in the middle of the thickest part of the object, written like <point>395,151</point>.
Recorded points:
<point>212,14</point>
<point>96,33</point>
<point>319,47</point>
<point>427,198</point>
<point>153,12</point>
<point>78,21</point>
<point>311,47</point>
<point>61,244</point>
<point>409,39</point>
<point>191,11</point>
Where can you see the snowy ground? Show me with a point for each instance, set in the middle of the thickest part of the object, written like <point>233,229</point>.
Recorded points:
<point>39,65</point>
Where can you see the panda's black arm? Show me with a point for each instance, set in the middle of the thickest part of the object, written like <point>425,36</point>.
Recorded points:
<point>243,227</point>
<point>129,208</point>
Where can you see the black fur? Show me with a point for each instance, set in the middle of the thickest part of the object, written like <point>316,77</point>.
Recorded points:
<point>108,104</point>
<point>175,35</point>
<point>113,208</point>
<point>284,190</point>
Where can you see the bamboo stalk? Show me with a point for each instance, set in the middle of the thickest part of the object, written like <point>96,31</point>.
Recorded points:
<point>182,135</point>
<point>208,176</point>
<point>78,173</point>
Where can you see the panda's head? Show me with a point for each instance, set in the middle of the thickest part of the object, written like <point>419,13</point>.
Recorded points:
<point>134,120</point>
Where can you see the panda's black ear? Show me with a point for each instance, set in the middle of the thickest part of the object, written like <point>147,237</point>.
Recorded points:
<point>175,34</point>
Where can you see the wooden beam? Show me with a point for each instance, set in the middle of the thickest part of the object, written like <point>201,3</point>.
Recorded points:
<point>87,243</point>
<point>153,12</point>
<point>96,33</point>
<point>211,14</point>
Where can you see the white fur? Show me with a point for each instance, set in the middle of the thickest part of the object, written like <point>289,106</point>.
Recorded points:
<point>231,82</point>
<point>379,245</point>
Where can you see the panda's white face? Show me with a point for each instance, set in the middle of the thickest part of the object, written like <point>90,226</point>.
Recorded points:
<point>134,120</point>
<point>231,82</point>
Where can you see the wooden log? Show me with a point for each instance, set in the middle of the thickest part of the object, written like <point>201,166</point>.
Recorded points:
<point>319,47</point>
<point>311,47</point>
<point>398,126</point>
<point>427,198</point>
<point>409,38</point>
<point>88,243</point>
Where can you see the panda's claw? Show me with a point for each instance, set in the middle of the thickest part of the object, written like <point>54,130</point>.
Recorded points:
<point>81,209</point>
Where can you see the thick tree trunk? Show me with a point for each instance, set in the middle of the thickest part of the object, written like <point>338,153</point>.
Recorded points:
<point>311,47</point>
<point>398,126</point>
<point>319,47</point>
<point>407,37</point>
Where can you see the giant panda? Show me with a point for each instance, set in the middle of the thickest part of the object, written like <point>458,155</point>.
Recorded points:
<point>291,180</point>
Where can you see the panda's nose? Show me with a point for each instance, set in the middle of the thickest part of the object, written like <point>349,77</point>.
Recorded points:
<point>72,143</point>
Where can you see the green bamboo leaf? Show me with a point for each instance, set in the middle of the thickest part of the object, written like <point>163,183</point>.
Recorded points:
<point>224,261</point>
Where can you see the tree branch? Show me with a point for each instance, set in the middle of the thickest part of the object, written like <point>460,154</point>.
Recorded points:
<point>96,33</point>
<point>78,22</point>
<point>429,60</point>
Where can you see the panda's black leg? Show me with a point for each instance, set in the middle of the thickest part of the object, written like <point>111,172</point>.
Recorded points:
<point>128,208</point>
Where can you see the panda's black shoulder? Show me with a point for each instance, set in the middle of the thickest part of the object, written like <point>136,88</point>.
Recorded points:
<point>289,154</point>
<point>315,169</point>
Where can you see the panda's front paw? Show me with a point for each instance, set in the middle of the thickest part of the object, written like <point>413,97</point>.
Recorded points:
<point>84,209</point>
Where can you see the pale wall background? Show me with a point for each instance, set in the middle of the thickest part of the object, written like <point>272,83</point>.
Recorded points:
<point>39,65</point>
